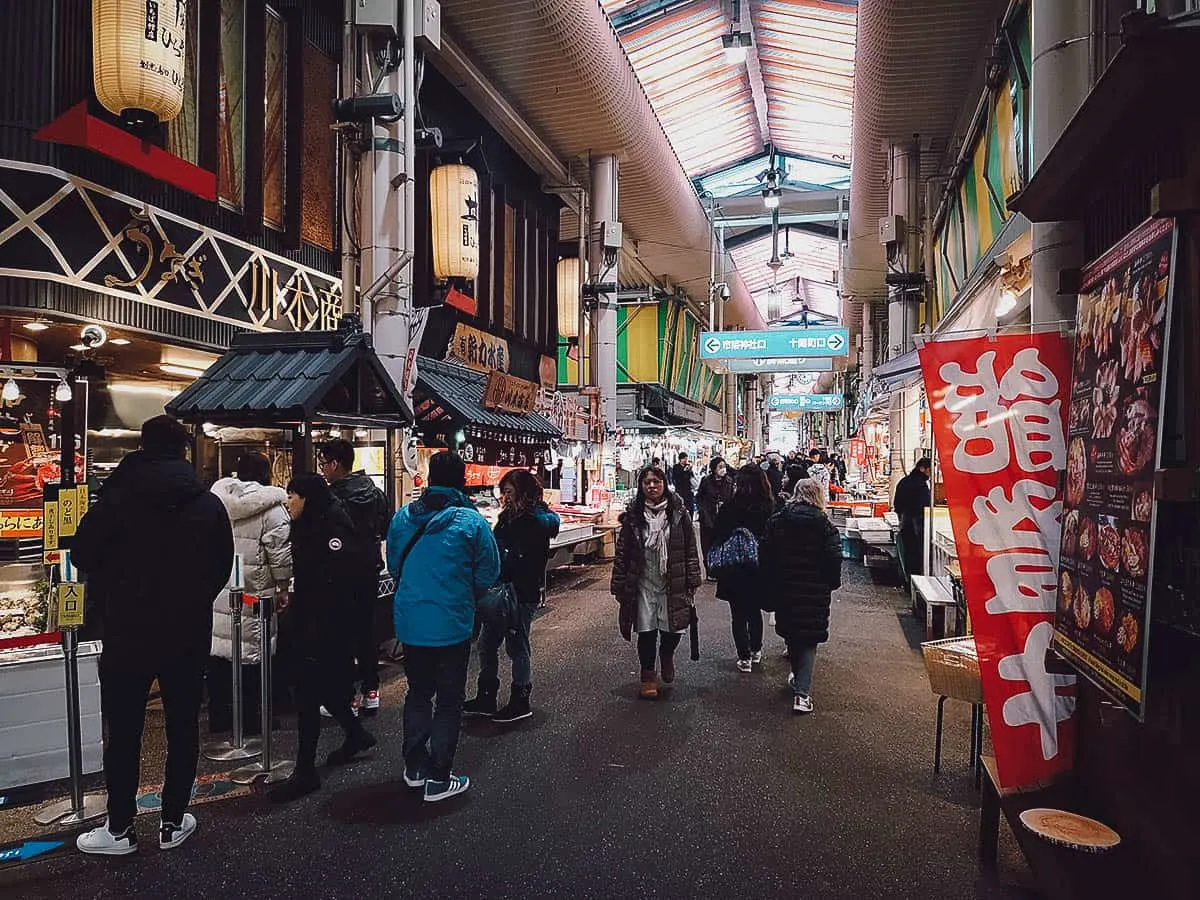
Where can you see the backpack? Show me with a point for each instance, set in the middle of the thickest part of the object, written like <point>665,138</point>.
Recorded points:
<point>736,555</point>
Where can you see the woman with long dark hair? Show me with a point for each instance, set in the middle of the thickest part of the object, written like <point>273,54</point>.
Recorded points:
<point>523,534</point>
<point>325,557</point>
<point>715,491</point>
<point>751,507</point>
<point>655,576</point>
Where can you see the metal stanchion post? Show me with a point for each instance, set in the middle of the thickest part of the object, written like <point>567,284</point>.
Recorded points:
<point>237,748</point>
<point>268,769</point>
<point>79,807</point>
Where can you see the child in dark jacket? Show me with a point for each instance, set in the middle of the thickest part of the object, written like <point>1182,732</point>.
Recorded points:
<point>801,562</point>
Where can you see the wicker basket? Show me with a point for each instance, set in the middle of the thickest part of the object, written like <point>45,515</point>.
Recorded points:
<point>953,668</point>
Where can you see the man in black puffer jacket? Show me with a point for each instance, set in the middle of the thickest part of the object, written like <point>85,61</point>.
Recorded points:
<point>800,559</point>
<point>155,548</point>
<point>368,509</point>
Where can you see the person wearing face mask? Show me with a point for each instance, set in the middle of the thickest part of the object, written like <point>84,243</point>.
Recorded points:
<point>715,491</point>
<point>326,557</point>
<point>523,535</point>
<point>655,575</point>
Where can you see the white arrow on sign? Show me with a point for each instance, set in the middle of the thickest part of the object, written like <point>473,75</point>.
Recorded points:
<point>713,345</point>
<point>834,342</point>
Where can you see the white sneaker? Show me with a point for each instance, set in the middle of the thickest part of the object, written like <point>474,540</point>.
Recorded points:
<point>102,842</point>
<point>744,665</point>
<point>756,657</point>
<point>171,835</point>
<point>353,709</point>
<point>802,704</point>
<point>326,713</point>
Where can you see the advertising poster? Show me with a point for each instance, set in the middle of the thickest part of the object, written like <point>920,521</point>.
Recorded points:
<point>999,411</point>
<point>1113,434</point>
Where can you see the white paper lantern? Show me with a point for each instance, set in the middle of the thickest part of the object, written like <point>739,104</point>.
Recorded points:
<point>568,297</point>
<point>454,195</point>
<point>139,50</point>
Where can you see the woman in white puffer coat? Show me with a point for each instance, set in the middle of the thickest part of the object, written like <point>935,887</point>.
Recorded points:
<point>260,536</point>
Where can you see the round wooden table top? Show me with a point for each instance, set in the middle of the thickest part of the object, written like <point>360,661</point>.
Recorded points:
<point>1070,830</point>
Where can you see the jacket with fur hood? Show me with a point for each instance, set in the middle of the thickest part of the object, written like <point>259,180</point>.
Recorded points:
<point>260,535</point>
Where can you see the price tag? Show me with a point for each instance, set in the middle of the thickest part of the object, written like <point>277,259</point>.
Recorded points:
<point>68,512</point>
<point>50,525</point>
<point>70,605</point>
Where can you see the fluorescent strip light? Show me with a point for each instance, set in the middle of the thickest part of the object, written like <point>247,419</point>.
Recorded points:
<point>181,371</point>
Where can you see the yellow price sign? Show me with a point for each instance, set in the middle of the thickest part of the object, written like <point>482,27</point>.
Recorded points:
<point>50,525</point>
<point>68,512</point>
<point>70,604</point>
<point>82,493</point>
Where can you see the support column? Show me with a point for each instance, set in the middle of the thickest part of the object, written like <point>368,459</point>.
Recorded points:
<point>868,342</point>
<point>753,417</point>
<point>1060,83</point>
<point>904,306</point>
<point>605,176</point>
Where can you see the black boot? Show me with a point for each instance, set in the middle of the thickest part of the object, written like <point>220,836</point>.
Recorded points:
<point>355,744</point>
<point>518,707</point>
<point>299,783</point>
<point>484,704</point>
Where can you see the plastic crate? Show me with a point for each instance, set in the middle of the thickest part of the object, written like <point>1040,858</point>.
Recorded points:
<point>953,668</point>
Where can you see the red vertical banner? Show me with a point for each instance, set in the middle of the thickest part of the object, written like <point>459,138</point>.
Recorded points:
<point>999,408</point>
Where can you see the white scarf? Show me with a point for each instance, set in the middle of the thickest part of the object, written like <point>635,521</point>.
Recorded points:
<point>658,530</point>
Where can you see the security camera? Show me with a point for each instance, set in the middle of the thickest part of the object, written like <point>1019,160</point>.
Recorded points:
<point>725,292</point>
<point>93,336</point>
<point>371,106</point>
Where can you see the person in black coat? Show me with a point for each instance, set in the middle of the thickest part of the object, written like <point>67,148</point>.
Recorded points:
<point>912,499</point>
<point>715,491</point>
<point>326,556</point>
<point>681,480</point>
<point>750,508</point>
<point>801,562</point>
<point>155,548</point>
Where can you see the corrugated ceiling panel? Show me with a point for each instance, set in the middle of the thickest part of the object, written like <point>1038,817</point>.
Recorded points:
<point>704,103</point>
<point>806,51</point>
<point>814,259</point>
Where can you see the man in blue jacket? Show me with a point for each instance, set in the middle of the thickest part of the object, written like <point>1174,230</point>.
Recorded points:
<point>442,554</point>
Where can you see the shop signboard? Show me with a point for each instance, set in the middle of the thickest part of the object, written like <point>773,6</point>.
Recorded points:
<point>807,402</point>
<point>507,393</point>
<point>74,232</point>
<point>858,451</point>
<point>486,476</point>
<point>775,343</point>
<point>999,407</point>
<point>1110,514</point>
<point>783,365</point>
<point>477,350</point>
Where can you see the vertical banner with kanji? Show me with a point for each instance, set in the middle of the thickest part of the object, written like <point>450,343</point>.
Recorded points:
<point>999,407</point>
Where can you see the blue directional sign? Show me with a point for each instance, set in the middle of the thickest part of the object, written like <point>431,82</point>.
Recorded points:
<point>27,850</point>
<point>806,402</point>
<point>757,366</point>
<point>775,343</point>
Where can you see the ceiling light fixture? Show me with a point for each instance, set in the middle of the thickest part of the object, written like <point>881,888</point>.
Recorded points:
<point>121,342</point>
<point>737,47</point>
<point>181,371</point>
<point>39,325</point>
<point>1007,303</point>
<point>63,393</point>
<point>771,197</point>
<point>78,348</point>
<point>11,392</point>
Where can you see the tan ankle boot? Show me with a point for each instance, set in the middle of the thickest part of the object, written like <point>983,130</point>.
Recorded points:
<point>649,687</point>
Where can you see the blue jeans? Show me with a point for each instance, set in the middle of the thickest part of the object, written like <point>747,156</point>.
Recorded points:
<point>516,643</point>
<point>803,657</point>
<point>431,734</point>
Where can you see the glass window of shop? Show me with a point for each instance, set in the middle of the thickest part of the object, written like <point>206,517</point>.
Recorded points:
<point>318,213</point>
<point>183,132</point>
<point>231,127</point>
<point>274,146</point>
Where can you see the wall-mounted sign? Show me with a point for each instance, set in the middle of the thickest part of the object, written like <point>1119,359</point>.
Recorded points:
<point>806,402</point>
<point>509,393</point>
<point>775,343</point>
<point>74,232</point>
<point>477,349</point>
<point>770,366</point>
<point>548,372</point>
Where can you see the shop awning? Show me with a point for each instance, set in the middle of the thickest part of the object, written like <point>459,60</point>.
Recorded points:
<point>902,372</point>
<point>268,379</point>
<point>449,391</point>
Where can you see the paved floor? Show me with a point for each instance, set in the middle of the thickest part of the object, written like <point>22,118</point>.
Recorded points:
<point>714,791</point>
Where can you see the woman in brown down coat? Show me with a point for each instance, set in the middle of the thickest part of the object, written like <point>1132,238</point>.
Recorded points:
<point>655,575</point>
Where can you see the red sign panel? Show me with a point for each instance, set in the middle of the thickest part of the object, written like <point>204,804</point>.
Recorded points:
<point>1000,415</point>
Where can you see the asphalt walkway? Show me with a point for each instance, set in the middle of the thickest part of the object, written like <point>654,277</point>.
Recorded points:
<point>716,790</point>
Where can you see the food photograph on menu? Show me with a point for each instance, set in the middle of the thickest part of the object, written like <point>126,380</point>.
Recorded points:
<point>1112,450</point>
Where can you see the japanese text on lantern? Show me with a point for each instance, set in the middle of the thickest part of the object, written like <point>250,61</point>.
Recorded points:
<point>999,418</point>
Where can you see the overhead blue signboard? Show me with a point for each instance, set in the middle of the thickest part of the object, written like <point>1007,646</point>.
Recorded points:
<point>775,343</point>
<point>769,366</point>
<point>806,402</point>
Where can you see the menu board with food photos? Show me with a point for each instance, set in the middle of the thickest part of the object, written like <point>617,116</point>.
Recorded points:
<point>1109,508</point>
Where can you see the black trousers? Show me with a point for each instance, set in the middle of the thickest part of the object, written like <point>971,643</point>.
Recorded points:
<point>648,643</point>
<point>220,697</point>
<point>365,592</point>
<point>431,728</point>
<point>125,680</point>
<point>329,682</point>
<point>747,627</point>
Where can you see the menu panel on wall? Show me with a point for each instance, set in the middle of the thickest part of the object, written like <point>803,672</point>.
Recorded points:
<point>1109,507</point>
